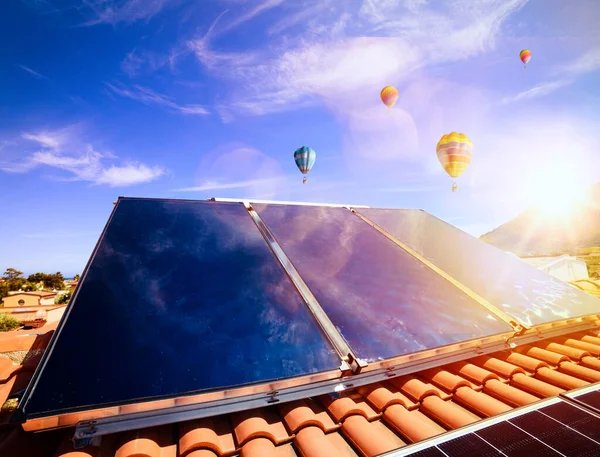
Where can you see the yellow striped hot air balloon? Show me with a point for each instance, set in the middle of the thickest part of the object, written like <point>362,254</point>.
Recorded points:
<point>389,96</point>
<point>454,152</point>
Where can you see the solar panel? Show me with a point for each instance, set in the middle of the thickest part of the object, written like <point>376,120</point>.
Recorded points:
<point>521,291</point>
<point>588,396</point>
<point>382,300</point>
<point>179,297</point>
<point>552,428</point>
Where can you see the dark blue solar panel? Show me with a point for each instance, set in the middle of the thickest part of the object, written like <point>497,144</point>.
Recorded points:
<point>529,295</point>
<point>556,430</point>
<point>180,297</point>
<point>383,301</point>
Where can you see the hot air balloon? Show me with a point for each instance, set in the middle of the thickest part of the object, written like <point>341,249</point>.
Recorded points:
<point>525,56</point>
<point>454,152</point>
<point>305,158</point>
<point>389,96</point>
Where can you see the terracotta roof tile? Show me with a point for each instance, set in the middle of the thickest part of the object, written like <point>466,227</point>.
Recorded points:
<point>480,403</point>
<point>500,367</point>
<point>259,423</point>
<point>214,433</point>
<point>447,380</point>
<point>545,355</point>
<point>417,389</point>
<point>593,349</point>
<point>472,372</point>
<point>573,353</point>
<point>412,425</point>
<point>534,386</point>
<point>508,394</point>
<point>263,447</point>
<point>445,413</point>
<point>370,438</point>
<point>149,442</point>
<point>529,364</point>
<point>381,396</point>
<point>305,413</point>
<point>367,421</point>
<point>590,362</point>
<point>578,371</point>
<point>561,380</point>
<point>313,442</point>
<point>342,408</point>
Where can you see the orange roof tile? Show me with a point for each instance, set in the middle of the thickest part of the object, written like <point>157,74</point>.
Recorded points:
<point>363,422</point>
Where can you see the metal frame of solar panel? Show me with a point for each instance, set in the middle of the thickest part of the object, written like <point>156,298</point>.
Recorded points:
<point>529,296</point>
<point>334,318</point>
<point>587,397</point>
<point>551,427</point>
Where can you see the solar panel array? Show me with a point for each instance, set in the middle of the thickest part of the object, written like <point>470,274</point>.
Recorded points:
<point>183,297</point>
<point>559,429</point>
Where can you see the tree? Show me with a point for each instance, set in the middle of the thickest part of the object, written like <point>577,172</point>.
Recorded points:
<point>76,277</point>
<point>54,281</point>
<point>38,277</point>
<point>11,274</point>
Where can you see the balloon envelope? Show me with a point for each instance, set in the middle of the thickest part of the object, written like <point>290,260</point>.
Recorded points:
<point>454,152</point>
<point>525,56</point>
<point>305,158</point>
<point>389,96</point>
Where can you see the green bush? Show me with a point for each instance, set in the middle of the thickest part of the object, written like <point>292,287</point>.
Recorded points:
<point>7,322</point>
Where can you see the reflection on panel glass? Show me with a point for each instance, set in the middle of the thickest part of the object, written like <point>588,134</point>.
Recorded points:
<point>180,297</point>
<point>383,301</point>
<point>529,295</point>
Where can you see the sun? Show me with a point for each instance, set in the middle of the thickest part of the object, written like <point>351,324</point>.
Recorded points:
<point>557,190</point>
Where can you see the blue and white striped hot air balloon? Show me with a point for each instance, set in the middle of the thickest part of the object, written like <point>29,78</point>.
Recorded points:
<point>305,158</point>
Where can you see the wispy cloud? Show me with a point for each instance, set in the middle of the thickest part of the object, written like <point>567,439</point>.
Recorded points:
<point>33,73</point>
<point>540,90</point>
<point>567,74</point>
<point>381,41</point>
<point>251,13</point>
<point>127,11</point>
<point>65,150</point>
<point>149,97</point>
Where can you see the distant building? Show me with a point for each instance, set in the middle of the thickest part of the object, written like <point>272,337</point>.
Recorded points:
<point>565,267</point>
<point>30,299</point>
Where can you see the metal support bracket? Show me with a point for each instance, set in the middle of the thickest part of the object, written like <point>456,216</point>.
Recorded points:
<point>333,335</point>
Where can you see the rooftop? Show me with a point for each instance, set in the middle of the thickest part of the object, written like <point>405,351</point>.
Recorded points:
<point>367,421</point>
<point>319,331</point>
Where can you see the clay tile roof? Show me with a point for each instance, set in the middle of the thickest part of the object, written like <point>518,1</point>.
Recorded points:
<point>365,422</point>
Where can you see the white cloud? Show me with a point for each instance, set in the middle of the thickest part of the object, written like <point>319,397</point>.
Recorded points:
<point>149,97</point>
<point>386,42</point>
<point>64,150</point>
<point>34,73</point>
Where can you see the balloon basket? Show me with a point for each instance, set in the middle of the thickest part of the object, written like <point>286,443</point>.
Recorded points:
<point>454,187</point>
<point>304,181</point>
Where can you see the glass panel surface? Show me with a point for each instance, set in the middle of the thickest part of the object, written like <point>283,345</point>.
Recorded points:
<point>532,297</point>
<point>383,301</point>
<point>180,297</point>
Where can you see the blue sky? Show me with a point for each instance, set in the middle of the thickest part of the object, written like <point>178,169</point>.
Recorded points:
<point>190,99</point>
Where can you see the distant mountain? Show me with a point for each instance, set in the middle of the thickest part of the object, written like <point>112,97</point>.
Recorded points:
<point>533,232</point>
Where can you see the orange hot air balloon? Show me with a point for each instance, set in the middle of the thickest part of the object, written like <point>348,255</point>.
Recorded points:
<point>525,56</point>
<point>389,96</point>
<point>454,152</point>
